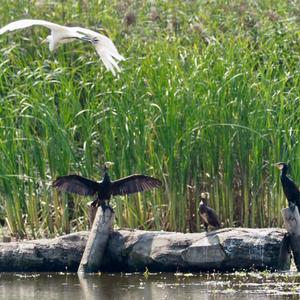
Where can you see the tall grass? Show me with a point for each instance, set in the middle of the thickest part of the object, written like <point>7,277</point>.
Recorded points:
<point>208,99</point>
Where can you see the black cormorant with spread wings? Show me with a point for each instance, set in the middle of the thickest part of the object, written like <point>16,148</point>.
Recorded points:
<point>106,188</point>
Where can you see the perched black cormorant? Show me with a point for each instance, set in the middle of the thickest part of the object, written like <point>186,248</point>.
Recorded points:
<point>208,216</point>
<point>105,188</point>
<point>290,189</point>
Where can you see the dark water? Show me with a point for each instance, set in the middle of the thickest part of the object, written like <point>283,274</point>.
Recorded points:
<point>150,286</point>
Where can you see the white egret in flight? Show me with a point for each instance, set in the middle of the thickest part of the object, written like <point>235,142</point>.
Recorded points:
<point>63,34</point>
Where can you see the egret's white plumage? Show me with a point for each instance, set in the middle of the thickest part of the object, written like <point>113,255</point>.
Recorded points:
<point>63,34</point>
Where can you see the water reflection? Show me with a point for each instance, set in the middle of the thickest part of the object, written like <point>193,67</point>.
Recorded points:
<point>155,286</point>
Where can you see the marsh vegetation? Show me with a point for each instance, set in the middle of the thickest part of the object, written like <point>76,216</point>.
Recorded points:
<point>208,99</point>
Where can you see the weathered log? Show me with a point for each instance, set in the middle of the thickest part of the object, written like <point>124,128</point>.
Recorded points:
<point>92,210</point>
<point>97,241</point>
<point>45,255</point>
<point>291,220</point>
<point>133,250</point>
<point>225,249</point>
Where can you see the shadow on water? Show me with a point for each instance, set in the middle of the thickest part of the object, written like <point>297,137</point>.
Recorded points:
<point>153,286</point>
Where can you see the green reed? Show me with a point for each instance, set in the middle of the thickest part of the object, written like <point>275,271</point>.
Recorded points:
<point>208,99</point>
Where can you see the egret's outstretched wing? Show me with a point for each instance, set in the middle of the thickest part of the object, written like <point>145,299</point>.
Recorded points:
<point>108,53</point>
<point>133,184</point>
<point>105,48</point>
<point>104,41</point>
<point>76,184</point>
<point>27,23</point>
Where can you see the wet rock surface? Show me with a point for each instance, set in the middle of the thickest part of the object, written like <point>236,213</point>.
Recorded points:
<point>134,250</point>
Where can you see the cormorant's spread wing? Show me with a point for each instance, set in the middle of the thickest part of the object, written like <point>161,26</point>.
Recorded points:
<point>76,184</point>
<point>133,184</point>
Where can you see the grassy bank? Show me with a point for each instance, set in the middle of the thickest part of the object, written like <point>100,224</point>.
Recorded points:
<point>208,99</point>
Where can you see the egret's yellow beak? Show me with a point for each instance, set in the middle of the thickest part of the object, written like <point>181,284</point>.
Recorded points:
<point>44,41</point>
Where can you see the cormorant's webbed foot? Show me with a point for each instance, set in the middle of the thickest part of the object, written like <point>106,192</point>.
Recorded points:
<point>292,206</point>
<point>105,206</point>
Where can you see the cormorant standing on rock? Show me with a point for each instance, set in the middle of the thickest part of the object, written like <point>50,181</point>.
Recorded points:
<point>290,189</point>
<point>105,188</point>
<point>208,216</point>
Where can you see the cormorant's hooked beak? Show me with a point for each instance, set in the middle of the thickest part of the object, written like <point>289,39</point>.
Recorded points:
<point>108,164</point>
<point>204,195</point>
<point>279,166</point>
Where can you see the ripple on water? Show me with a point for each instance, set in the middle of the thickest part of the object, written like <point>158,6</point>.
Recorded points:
<point>243,285</point>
